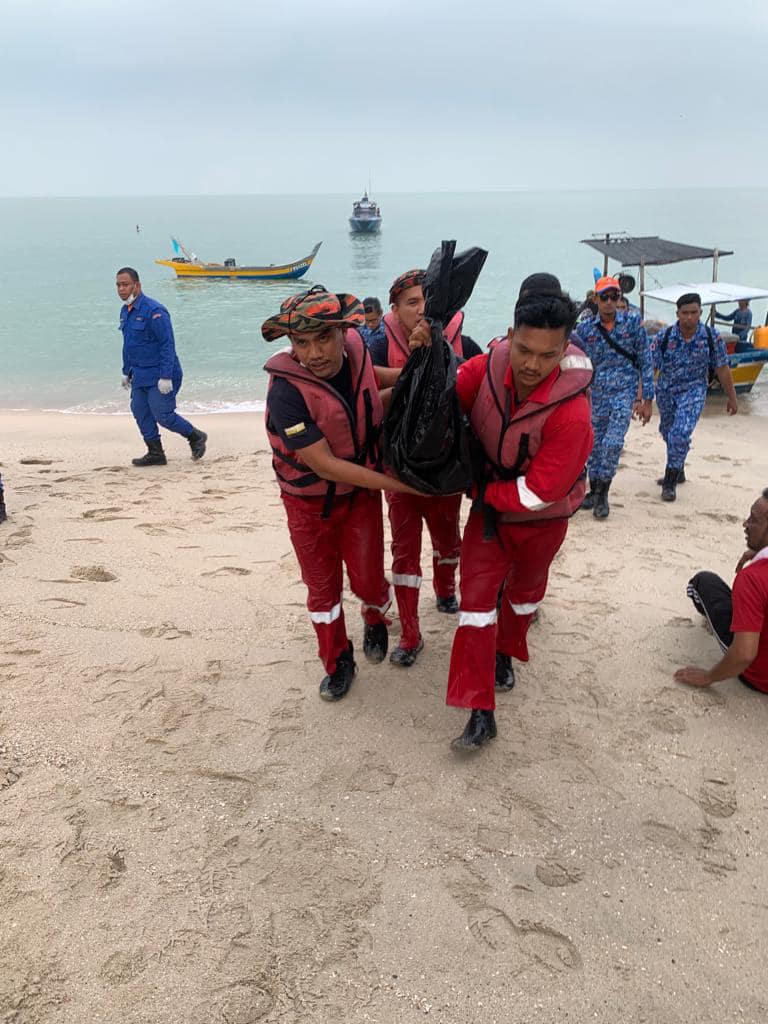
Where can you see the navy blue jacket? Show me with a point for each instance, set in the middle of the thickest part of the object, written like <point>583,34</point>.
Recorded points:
<point>149,350</point>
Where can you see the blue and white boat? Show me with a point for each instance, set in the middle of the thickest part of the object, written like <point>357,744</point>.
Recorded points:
<point>366,216</point>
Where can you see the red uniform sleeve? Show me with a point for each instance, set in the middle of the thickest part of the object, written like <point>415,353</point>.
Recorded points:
<point>750,602</point>
<point>565,446</point>
<point>468,380</point>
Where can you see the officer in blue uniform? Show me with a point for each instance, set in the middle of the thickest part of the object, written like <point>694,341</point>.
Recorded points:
<point>685,355</point>
<point>3,513</point>
<point>151,370</point>
<point>618,347</point>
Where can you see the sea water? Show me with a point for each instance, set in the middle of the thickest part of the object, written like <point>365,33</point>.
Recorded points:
<point>60,347</point>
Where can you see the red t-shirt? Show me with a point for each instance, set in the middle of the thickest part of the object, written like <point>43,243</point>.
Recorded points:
<point>750,615</point>
<point>566,439</point>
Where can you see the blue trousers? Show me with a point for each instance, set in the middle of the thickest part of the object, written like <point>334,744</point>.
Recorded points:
<point>611,413</point>
<point>151,410</point>
<point>679,413</point>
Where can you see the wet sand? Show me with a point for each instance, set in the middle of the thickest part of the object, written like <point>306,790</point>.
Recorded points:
<point>189,836</point>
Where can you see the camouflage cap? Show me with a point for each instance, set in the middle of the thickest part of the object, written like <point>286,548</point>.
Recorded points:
<point>314,310</point>
<point>407,280</point>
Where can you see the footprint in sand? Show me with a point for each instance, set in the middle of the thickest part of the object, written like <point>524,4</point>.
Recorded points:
<point>717,798</point>
<point>228,570</point>
<point>35,460</point>
<point>10,768</point>
<point>165,631</point>
<point>528,945</point>
<point>19,538</point>
<point>94,573</point>
<point>557,874</point>
<point>104,515</point>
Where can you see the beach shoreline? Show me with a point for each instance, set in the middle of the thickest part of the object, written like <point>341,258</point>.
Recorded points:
<point>191,836</point>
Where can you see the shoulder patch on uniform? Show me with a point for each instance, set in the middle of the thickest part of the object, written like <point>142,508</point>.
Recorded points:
<point>298,428</point>
<point>156,316</point>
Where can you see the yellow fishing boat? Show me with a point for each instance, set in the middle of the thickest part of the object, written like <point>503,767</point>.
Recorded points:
<point>188,265</point>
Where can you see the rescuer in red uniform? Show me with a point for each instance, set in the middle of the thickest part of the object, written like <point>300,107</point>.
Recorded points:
<point>528,407</point>
<point>323,418</point>
<point>409,512</point>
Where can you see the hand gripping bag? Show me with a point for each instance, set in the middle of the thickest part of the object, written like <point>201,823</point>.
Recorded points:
<point>425,438</point>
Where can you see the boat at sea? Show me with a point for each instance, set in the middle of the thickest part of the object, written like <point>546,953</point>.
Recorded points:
<point>366,216</point>
<point>187,264</point>
<point>650,250</point>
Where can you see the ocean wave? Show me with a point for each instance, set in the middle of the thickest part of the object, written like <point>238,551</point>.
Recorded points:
<point>189,408</point>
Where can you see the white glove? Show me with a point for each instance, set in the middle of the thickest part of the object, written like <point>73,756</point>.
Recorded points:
<point>126,383</point>
<point>164,386</point>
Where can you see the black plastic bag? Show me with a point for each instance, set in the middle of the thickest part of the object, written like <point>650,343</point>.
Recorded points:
<point>425,441</point>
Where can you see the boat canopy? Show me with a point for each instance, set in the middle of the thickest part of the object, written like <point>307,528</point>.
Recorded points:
<point>711,292</point>
<point>650,250</point>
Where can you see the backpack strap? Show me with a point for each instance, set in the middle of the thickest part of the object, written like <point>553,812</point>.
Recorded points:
<point>617,347</point>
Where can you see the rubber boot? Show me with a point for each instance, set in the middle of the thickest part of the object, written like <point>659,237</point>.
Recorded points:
<point>602,508</point>
<point>155,455</point>
<point>3,513</point>
<point>669,484</point>
<point>590,497</point>
<point>197,441</point>
<point>680,478</point>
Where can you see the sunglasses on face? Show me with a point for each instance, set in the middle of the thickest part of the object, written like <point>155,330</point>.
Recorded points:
<point>608,296</point>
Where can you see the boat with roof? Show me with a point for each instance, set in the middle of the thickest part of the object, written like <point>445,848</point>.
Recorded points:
<point>366,216</point>
<point>652,251</point>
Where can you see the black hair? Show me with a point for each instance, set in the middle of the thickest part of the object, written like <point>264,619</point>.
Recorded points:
<point>552,311</point>
<point>133,274</point>
<point>540,284</point>
<point>371,304</point>
<point>688,299</point>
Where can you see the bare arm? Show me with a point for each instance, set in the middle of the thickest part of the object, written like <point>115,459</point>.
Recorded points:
<point>386,376</point>
<point>725,377</point>
<point>738,657</point>
<point>321,460</point>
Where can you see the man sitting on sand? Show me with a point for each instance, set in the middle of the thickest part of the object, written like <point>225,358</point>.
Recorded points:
<point>323,418</point>
<point>738,618</point>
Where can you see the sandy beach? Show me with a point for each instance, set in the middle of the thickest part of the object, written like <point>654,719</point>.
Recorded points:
<point>188,835</point>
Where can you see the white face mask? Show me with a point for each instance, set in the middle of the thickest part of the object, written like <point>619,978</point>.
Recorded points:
<point>130,300</point>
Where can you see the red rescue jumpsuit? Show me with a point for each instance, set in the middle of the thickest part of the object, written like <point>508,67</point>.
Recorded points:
<point>521,555</point>
<point>408,513</point>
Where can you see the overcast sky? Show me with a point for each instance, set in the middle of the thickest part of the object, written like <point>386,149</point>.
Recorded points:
<point>165,97</point>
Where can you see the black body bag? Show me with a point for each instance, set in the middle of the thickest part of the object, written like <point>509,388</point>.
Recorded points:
<point>425,439</point>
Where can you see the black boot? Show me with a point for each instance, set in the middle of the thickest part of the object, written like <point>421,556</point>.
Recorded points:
<point>375,643</point>
<point>680,477</point>
<point>337,685</point>
<point>406,656</point>
<point>448,605</point>
<point>3,513</point>
<point>669,484</point>
<point>480,728</point>
<point>155,455</point>
<point>602,508</point>
<point>590,497</point>
<point>505,674</point>
<point>197,441</point>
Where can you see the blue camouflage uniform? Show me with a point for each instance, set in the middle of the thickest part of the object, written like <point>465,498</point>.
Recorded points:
<point>681,387</point>
<point>373,337</point>
<point>149,355</point>
<point>614,386</point>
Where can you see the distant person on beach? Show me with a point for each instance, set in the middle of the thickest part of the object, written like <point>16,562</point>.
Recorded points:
<point>3,512</point>
<point>738,618</point>
<point>372,331</point>
<point>325,463</point>
<point>528,407</point>
<point>409,512</point>
<point>618,346</point>
<point>151,370</point>
<point>685,355</point>
<point>742,321</point>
